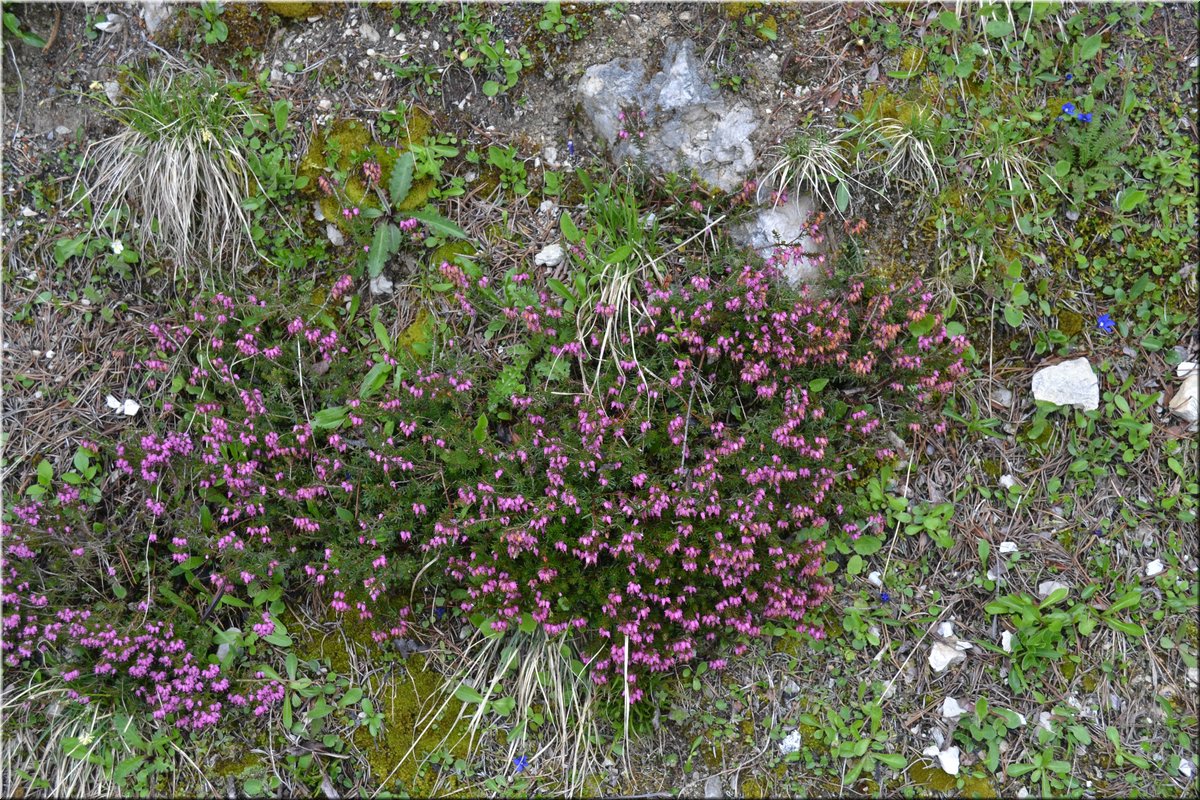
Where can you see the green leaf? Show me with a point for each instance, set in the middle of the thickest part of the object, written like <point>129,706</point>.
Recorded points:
<point>45,472</point>
<point>922,326</point>
<point>351,697</point>
<point>278,639</point>
<point>66,249</point>
<point>998,28</point>
<point>569,230</point>
<point>385,242</point>
<point>320,710</point>
<point>438,224</point>
<point>1129,200</point>
<point>13,25</point>
<point>281,109</point>
<point>401,180</point>
<point>1089,47</point>
<point>893,760</point>
<point>374,379</point>
<point>560,289</point>
<point>842,199</point>
<point>818,384</point>
<point>949,20</point>
<point>329,417</point>
<point>468,695</point>
<point>1013,316</point>
<point>481,429</point>
<point>867,545</point>
<point>1128,600</point>
<point>1127,628</point>
<point>491,88</point>
<point>620,254</point>
<point>855,565</point>
<point>1062,168</point>
<point>381,334</point>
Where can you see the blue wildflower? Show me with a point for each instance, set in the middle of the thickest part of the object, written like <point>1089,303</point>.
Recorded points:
<point>439,612</point>
<point>884,597</point>
<point>520,762</point>
<point>1084,117</point>
<point>571,148</point>
<point>1068,108</point>
<point>1106,324</point>
<point>1068,77</point>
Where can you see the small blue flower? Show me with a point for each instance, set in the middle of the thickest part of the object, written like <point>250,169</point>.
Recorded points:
<point>1068,77</point>
<point>1084,117</point>
<point>884,597</point>
<point>1068,108</point>
<point>520,762</point>
<point>439,612</point>
<point>571,148</point>
<point>1106,324</point>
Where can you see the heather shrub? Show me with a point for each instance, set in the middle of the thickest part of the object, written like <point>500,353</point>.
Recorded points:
<point>675,513</point>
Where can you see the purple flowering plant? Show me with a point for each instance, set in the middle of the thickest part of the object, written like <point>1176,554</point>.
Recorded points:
<point>675,513</point>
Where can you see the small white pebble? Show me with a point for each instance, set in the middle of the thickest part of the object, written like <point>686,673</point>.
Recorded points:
<point>1008,481</point>
<point>1154,568</point>
<point>1008,547</point>
<point>1006,639</point>
<point>875,580</point>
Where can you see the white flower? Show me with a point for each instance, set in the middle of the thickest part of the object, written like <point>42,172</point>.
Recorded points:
<point>117,247</point>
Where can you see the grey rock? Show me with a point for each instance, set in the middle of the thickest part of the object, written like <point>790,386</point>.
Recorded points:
<point>335,236</point>
<point>1071,383</point>
<point>155,13</point>
<point>550,256</point>
<point>781,225</point>
<point>791,743</point>
<point>689,127</point>
<point>1002,396</point>
<point>368,32</point>
<point>712,788</point>
<point>606,88</point>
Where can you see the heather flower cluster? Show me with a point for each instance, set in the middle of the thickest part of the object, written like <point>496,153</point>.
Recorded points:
<point>680,511</point>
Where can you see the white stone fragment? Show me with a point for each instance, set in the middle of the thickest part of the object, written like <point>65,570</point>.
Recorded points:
<point>1008,481</point>
<point>947,759</point>
<point>791,743</point>
<point>945,629</point>
<point>335,236</point>
<point>1186,768</point>
<point>875,579</point>
<point>1002,396</point>
<point>942,655</point>
<point>1071,383</point>
<point>1047,588</point>
<point>1186,402</point>
<point>381,284</point>
<point>951,709</point>
<point>1155,567</point>
<point>550,256</point>
<point>1008,547</point>
<point>1006,640</point>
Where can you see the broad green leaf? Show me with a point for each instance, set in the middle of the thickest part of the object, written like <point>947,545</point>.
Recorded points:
<point>45,472</point>
<point>893,760</point>
<point>818,384</point>
<point>437,223</point>
<point>998,28</point>
<point>401,180</point>
<point>385,242</point>
<point>922,326</point>
<point>481,428</point>
<point>321,709</point>
<point>1129,200</point>
<point>949,20</point>
<point>1089,47</point>
<point>620,254</point>
<point>329,417</point>
<point>1013,316</point>
<point>66,249</point>
<point>374,379</point>
<point>468,695</point>
<point>842,200</point>
<point>491,88</point>
<point>560,289</point>
<point>281,109</point>
<point>1127,628</point>
<point>867,545</point>
<point>568,228</point>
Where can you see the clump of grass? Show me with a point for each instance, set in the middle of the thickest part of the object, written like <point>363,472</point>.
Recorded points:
<point>176,165</point>
<point>910,145</point>
<point>812,162</point>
